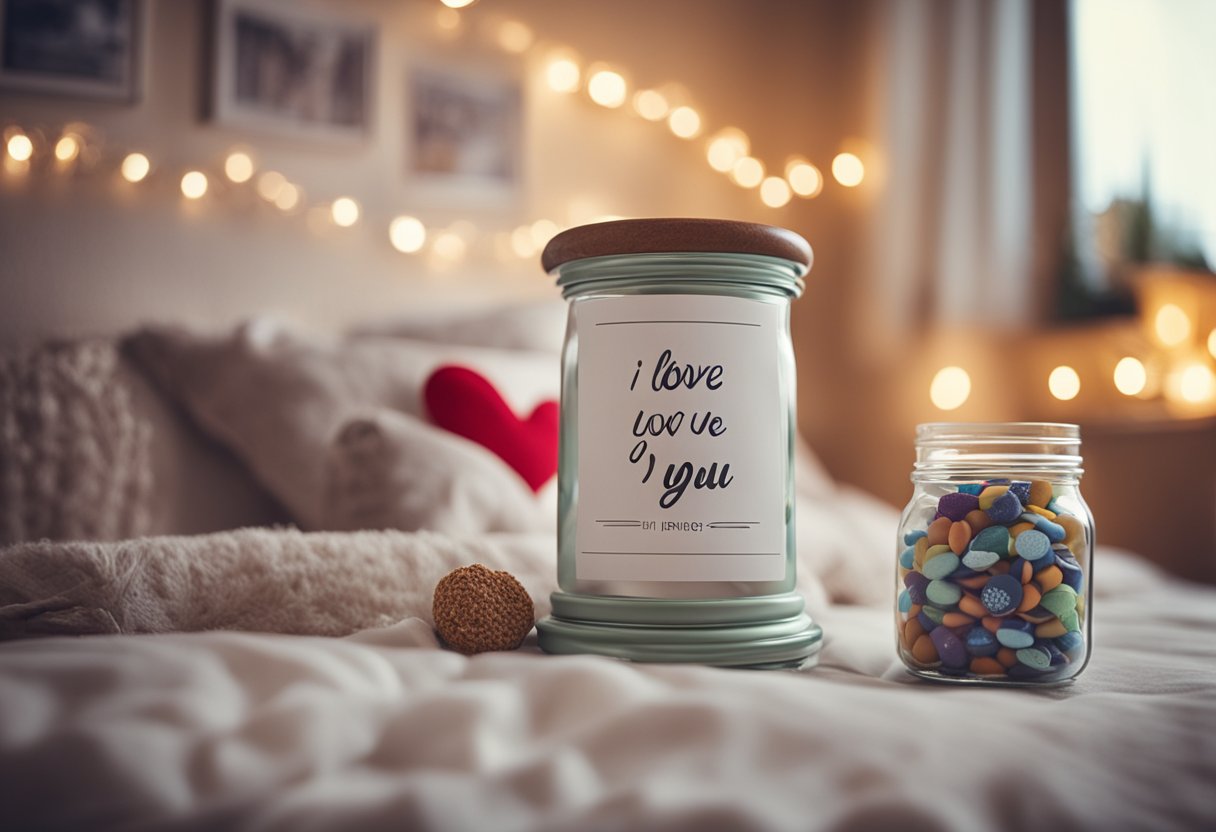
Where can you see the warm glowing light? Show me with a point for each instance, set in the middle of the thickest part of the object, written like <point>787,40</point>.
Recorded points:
<point>407,234</point>
<point>67,148</point>
<point>449,246</point>
<point>563,75</point>
<point>728,146</point>
<point>607,88</point>
<point>448,20</point>
<point>194,184</point>
<point>748,172</point>
<point>685,122</point>
<point>238,167</point>
<point>1064,383</point>
<point>848,170</point>
<point>288,197</point>
<point>1212,343</point>
<point>345,211</point>
<point>1130,376</point>
<point>950,388</point>
<point>20,148</point>
<point>542,231</point>
<point>651,105</point>
<point>269,185</point>
<point>521,241</point>
<point>1172,324</point>
<point>1196,383</point>
<point>804,178</point>
<point>775,192</point>
<point>457,4</point>
<point>514,37</point>
<point>135,167</point>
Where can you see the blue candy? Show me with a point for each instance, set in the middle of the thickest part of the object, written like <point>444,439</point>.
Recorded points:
<point>1070,642</point>
<point>1054,531</point>
<point>1015,634</point>
<point>907,558</point>
<point>980,642</point>
<point>916,534</point>
<point>992,539</point>
<point>980,560</point>
<point>1022,569</point>
<point>1001,595</point>
<point>971,488</point>
<point>1007,508</point>
<point>1020,489</point>
<point>905,601</point>
<point>1032,544</point>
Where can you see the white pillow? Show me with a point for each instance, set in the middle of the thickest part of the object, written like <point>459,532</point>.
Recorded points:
<point>387,470</point>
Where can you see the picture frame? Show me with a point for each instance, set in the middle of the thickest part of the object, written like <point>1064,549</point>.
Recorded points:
<point>84,48</point>
<point>464,131</point>
<point>292,70</point>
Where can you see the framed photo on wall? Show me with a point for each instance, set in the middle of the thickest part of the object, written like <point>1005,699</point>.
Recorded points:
<point>464,130</point>
<point>88,48</point>
<point>280,67</point>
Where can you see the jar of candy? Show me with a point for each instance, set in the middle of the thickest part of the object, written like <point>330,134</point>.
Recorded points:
<point>675,475</point>
<point>994,556</point>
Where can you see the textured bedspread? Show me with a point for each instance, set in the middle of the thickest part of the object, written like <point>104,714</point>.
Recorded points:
<point>382,730</point>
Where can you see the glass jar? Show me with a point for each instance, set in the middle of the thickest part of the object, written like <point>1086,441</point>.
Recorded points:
<point>994,556</point>
<point>675,475</point>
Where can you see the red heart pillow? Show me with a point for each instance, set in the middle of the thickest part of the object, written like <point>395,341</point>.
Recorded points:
<point>466,403</point>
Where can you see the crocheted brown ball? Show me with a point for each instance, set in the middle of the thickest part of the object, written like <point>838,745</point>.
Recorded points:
<point>477,610</point>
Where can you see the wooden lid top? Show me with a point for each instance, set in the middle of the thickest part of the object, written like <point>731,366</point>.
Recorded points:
<point>648,236</point>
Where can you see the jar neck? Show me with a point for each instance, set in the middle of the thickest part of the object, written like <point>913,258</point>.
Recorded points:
<point>965,451</point>
<point>687,271</point>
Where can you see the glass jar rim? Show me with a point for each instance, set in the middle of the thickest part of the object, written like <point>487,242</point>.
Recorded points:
<point>947,433</point>
<point>982,449</point>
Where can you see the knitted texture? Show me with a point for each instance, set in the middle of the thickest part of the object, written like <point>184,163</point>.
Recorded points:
<point>477,610</point>
<point>74,459</point>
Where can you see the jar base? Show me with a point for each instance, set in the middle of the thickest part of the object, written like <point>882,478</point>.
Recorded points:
<point>980,681</point>
<point>762,632</point>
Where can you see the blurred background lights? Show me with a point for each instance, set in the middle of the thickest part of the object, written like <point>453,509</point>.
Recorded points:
<point>562,75</point>
<point>804,178</point>
<point>1212,343</point>
<point>269,185</point>
<point>1196,383</point>
<point>345,211</point>
<point>521,242</point>
<point>67,148</point>
<point>542,231</point>
<point>848,170</point>
<point>607,88</point>
<point>1130,376</point>
<point>514,37</point>
<point>1064,383</point>
<point>685,122</point>
<point>19,147</point>
<point>748,172</point>
<point>238,167</point>
<point>449,245</point>
<point>950,388</point>
<point>774,192</point>
<point>457,4</point>
<point>727,146</point>
<point>288,197</point>
<point>650,105</point>
<point>1172,325</point>
<point>194,184</point>
<point>135,167</point>
<point>407,234</point>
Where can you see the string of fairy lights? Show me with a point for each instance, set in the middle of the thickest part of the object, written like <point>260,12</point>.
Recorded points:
<point>77,147</point>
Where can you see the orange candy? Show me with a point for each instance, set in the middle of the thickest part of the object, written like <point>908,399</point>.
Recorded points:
<point>1030,598</point>
<point>957,619</point>
<point>978,520</point>
<point>1017,528</point>
<point>1001,567</point>
<point>1050,629</point>
<point>923,650</point>
<point>1006,657</point>
<point>974,582</point>
<point>985,666</point>
<point>991,623</point>
<point>1049,578</point>
<point>959,536</point>
<point>939,531</point>
<point>1050,515</point>
<point>912,631</point>
<point>972,606</point>
<point>1040,493</point>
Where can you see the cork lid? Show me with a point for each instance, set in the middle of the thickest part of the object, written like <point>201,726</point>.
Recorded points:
<point>649,236</point>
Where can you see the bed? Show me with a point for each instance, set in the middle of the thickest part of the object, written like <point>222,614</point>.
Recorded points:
<point>199,631</point>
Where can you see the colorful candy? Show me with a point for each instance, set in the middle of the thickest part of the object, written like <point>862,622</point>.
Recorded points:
<point>993,584</point>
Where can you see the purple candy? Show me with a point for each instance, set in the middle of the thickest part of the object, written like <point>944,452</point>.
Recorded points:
<point>1021,490</point>
<point>1002,594</point>
<point>949,647</point>
<point>1006,508</point>
<point>916,583</point>
<point>956,504</point>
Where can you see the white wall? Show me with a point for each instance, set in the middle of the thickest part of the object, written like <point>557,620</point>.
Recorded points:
<point>88,252</point>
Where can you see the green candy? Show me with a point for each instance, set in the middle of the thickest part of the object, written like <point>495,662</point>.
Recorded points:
<point>943,593</point>
<point>940,566</point>
<point>992,539</point>
<point>1061,600</point>
<point>1071,621</point>
<point>1034,657</point>
<point>934,614</point>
